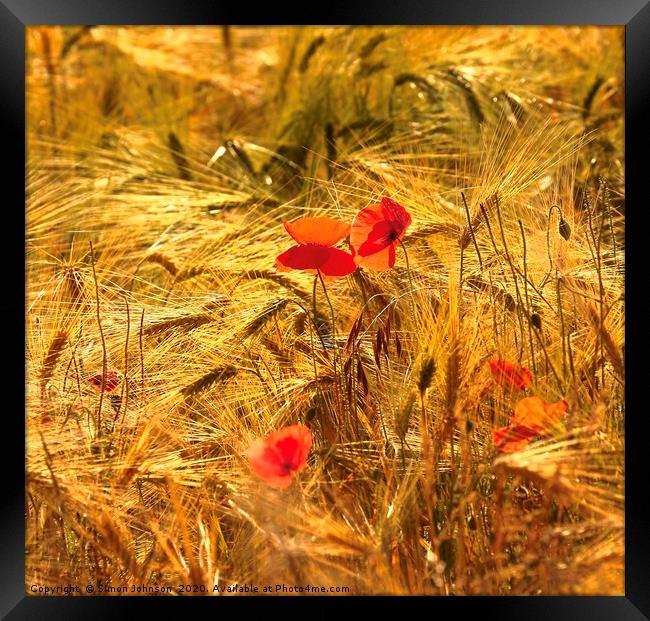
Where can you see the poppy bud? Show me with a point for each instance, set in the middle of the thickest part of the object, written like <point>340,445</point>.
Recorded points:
<point>509,375</point>
<point>116,401</point>
<point>536,320</point>
<point>564,229</point>
<point>311,414</point>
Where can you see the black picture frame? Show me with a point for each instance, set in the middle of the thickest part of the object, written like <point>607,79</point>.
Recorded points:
<point>15,15</point>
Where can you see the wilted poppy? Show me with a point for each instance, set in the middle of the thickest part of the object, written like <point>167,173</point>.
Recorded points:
<point>280,455</point>
<point>510,375</point>
<point>314,252</point>
<point>532,418</point>
<point>111,383</point>
<point>375,232</point>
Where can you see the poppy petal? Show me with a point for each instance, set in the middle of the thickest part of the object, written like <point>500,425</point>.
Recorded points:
<point>510,375</point>
<point>535,414</point>
<point>512,438</point>
<point>376,228</point>
<point>554,414</point>
<point>322,231</point>
<point>396,214</point>
<point>280,455</point>
<point>338,263</point>
<point>309,257</point>
<point>363,224</point>
<point>380,261</point>
<point>557,410</point>
<point>293,444</point>
<point>111,383</point>
<point>530,412</point>
<point>266,463</point>
<point>381,236</point>
<point>394,211</point>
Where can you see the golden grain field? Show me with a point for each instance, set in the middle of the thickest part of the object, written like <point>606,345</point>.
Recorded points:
<point>163,341</point>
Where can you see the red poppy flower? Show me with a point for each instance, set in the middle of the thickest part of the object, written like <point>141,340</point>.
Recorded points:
<point>542,417</point>
<point>532,418</point>
<point>512,438</point>
<point>112,381</point>
<point>280,455</point>
<point>376,231</point>
<point>314,252</point>
<point>510,375</point>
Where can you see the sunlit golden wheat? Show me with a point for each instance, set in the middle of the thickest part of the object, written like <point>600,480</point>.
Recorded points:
<point>162,163</point>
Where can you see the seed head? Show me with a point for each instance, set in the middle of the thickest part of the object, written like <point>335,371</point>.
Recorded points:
<point>427,371</point>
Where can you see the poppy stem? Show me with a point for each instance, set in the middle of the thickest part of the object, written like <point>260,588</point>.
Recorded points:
<point>125,383</point>
<point>313,350</point>
<point>548,235</point>
<point>98,431</point>
<point>329,302</point>
<point>528,307</point>
<point>408,270</point>
<point>519,303</point>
